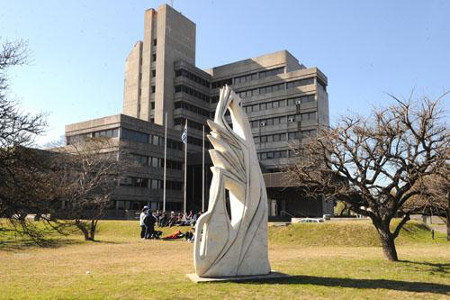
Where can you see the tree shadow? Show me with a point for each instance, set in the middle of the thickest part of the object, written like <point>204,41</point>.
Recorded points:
<point>25,244</point>
<point>18,245</point>
<point>406,286</point>
<point>434,267</point>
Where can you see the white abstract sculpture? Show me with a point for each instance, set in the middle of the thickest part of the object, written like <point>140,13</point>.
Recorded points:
<point>236,245</point>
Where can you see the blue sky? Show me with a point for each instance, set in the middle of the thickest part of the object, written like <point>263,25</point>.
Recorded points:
<point>366,48</point>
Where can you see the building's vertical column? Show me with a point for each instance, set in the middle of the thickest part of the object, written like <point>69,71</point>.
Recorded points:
<point>175,36</point>
<point>132,83</point>
<point>148,52</point>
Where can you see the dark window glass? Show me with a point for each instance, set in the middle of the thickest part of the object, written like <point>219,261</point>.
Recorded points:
<point>136,136</point>
<point>301,82</point>
<point>272,72</point>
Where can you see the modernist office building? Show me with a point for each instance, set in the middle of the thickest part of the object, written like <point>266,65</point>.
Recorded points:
<point>284,101</point>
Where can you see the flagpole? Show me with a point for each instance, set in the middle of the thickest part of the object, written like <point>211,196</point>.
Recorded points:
<point>165,164</point>
<point>203,169</point>
<point>185,169</point>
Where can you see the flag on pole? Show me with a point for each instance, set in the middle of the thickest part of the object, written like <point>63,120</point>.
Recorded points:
<point>184,135</point>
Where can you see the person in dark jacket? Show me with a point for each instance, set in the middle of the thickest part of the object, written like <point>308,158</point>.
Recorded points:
<point>149,222</point>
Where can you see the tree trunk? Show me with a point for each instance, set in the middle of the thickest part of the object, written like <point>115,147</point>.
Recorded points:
<point>448,216</point>
<point>387,242</point>
<point>448,224</point>
<point>92,229</point>
<point>386,239</point>
<point>83,229</point>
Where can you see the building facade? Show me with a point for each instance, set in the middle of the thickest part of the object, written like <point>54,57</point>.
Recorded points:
<point>284,100</point>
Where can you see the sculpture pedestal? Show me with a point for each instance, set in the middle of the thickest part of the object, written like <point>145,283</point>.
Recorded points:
<point>272,275</point>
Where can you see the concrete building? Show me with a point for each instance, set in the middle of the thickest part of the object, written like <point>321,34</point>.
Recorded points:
<point>284,101</point>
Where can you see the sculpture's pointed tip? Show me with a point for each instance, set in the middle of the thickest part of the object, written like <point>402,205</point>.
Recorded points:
<point>211,124</point>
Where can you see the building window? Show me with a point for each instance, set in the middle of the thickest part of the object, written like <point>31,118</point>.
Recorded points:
<point>308,116</point>
<point>153,73</point>
<point>153,88</point>
<point>192,92</point>
<point>272,72</point>
<point>301,100</point>
<point>301,82</point>
<point>155,42</point>
<point>192,77</point>
<point>153,57</point>
<point>245,78</point>
<point>107,133</point>
<point>134,182</point>
<point>135,136</point>
<point>247,93</point>
<point>271,89</point>
<point>140,159</point>
<point>221,83</point>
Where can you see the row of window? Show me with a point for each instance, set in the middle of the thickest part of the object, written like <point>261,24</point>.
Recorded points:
<point>192,124</point>
<point>108,133</point>
<point>301,82</point>
<point>248,77</point>
<point>193,108</point>
<point>192,92</point>
<point>274,88</point>
<point>221,83</point>
<point>278,137</point>
<point>268,122</point>
<point>279,103</point>
<point>154,184</point>
<point>247,93</point>
<point>112,133</point>
<point>245,78</point>
<point>283,120</point>
<point>192,77</point>
<point>272,154</point>
<point>136,136</point>
<point>298,135</point>
<point>271,88</point>
<point>156,162</point>
<point>272,72</point>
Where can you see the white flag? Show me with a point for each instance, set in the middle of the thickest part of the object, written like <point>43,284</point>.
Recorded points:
<point>184,135</point>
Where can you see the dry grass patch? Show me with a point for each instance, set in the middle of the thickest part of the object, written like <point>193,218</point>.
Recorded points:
<point>122,266</point>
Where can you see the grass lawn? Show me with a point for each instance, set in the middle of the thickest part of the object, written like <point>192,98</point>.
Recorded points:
<point>332,260</point>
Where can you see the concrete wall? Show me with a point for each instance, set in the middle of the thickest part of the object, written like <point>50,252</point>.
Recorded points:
<point>131,95</point>
<point>176,41</point>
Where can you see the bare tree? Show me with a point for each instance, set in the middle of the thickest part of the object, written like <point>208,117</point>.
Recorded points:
<point>373,163</point>
<point>87,175</point>
<point>22,169</point>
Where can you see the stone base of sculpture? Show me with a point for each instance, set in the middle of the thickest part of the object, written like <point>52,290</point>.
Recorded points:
<point>271,276</point>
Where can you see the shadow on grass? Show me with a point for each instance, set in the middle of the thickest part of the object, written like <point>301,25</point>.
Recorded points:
<point>406,286</point>
<point>21,244</point>
<point>434,267</point>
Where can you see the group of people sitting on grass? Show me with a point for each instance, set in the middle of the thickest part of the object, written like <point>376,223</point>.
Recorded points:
<point>148,220</point>
<point>176,219</point>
